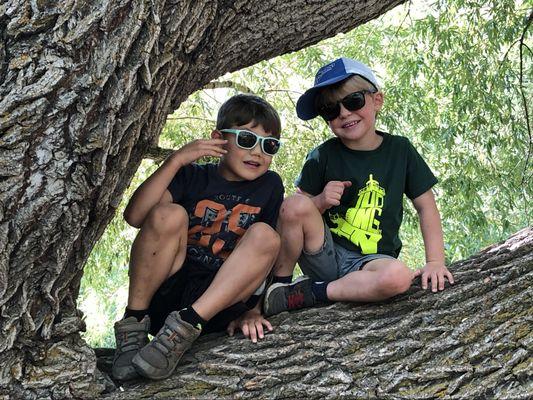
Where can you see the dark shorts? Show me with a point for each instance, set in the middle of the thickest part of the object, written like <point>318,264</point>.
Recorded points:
<point>333,261</point>
<point>185,287</point>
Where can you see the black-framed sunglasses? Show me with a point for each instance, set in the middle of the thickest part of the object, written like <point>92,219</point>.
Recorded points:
<point>247,140</point>
<point>352,102</point>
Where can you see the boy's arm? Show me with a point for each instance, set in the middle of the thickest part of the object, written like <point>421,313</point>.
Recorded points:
<point>431,228</point>
<point>154,189</point>
<point>251,324</point>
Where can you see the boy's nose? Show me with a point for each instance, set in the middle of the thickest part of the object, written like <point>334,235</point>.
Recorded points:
<point>257,148</point>
<point>344,111</point>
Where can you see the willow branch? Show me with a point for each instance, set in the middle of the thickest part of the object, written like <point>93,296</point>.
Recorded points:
<point>228,84</point>
<point>158,154</point>
<point>523,95</point>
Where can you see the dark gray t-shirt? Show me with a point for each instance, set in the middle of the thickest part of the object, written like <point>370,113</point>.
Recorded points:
<point>220,211</point>
<point>371,210</point>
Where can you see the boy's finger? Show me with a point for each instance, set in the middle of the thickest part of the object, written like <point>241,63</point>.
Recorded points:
<point>424,281</point>
<point>259,327</point>
<point>217,141</point>
<point>337,187</point>
<point>417,273</point>
<point>231,328</point>
<point>212,154</point>
<point>450,277</point>
<point>347,184</point>
<point>268,325</point>
<point>245,330</point>
<point>441,281</point>
<point>253,334</point>
<point>434,282</point>
<point>216,149</point>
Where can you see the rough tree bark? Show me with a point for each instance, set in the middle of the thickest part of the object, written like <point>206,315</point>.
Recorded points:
<point>472,341</point>
<point>85,87</point>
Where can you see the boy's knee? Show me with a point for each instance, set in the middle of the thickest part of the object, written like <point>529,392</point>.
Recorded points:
<point>264,237</point>
<point>296,207</point>
<point>396,279</point>
<point>167,218</point>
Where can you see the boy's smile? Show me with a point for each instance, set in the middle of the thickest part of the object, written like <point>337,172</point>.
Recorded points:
<point>244,164</point>
<point>349,124</point>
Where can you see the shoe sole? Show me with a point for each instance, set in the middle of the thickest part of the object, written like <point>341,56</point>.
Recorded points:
<point>273,287</point>
<point>125,374</point>
<point>148,371</point>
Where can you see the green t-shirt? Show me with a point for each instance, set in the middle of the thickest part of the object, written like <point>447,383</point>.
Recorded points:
<point>371,210</point>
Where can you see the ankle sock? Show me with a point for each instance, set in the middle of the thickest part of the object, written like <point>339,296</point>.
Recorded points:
<point>191,316</point>
<point>319,290</point>
<point>282,279</point>
<point>138,314</point>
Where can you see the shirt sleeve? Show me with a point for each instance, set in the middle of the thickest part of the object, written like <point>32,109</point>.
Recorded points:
<point>271,211</point>
<point>311,178</point>
<point>420,178</point>
<point>183,179</point>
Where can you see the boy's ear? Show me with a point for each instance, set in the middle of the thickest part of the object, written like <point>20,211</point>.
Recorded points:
<point>216,134</point>
<point>378,100</point>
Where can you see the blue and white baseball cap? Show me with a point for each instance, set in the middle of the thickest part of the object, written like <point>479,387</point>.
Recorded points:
<point>329,74</point>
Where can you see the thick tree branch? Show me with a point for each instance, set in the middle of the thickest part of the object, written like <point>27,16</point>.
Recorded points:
<point>471,341</point>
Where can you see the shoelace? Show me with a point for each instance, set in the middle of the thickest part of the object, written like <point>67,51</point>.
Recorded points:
<point>165,342</point>
<point>132,341</point>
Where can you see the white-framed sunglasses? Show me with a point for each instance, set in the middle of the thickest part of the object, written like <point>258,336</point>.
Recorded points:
<point>248,140</point>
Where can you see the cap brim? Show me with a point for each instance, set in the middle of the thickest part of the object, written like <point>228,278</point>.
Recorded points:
<point>305,106</point>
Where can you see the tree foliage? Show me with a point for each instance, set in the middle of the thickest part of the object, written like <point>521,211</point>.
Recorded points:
<point>455,74</point>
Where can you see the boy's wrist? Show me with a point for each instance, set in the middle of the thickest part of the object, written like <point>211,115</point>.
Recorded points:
<point>435,261</point>
<point>176,161</point>
<point>317,200</point>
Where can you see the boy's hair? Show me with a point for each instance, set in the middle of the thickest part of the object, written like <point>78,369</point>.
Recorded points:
<point>244,108</point>
<point>332,93</point>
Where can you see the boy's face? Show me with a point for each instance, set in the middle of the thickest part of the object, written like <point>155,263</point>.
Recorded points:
<point>357,128</point>
<point>240,164</point>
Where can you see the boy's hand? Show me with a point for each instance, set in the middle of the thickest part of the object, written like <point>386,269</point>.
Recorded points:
<point>332,193</point>
<point>251,324</point>
<point>199,148</point>
<point>436,272</point>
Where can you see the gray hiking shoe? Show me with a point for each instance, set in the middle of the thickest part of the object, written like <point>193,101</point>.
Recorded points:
<point>281,297</point>
<point>130,336</point>
<point>158,359</point>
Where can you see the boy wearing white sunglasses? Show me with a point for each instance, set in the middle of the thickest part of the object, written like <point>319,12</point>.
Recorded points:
<point>206,244</point>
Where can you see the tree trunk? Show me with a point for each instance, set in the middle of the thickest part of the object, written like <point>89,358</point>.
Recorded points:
<point>85,88</point>
<point>471,341</point>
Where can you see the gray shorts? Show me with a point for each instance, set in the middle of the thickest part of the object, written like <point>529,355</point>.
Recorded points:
<point>333,261</point>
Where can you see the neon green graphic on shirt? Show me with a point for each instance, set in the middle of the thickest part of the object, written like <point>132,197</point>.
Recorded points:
<point>360,225</point>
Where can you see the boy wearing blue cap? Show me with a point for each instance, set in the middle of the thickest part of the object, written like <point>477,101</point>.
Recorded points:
<point>342,224</point>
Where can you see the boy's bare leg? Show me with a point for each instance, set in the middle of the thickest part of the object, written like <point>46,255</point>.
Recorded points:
<point>301,227</point>
<point>240,275</point>
<point>378,280</point>
<point>157,252</point>
<point>243,271</point>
